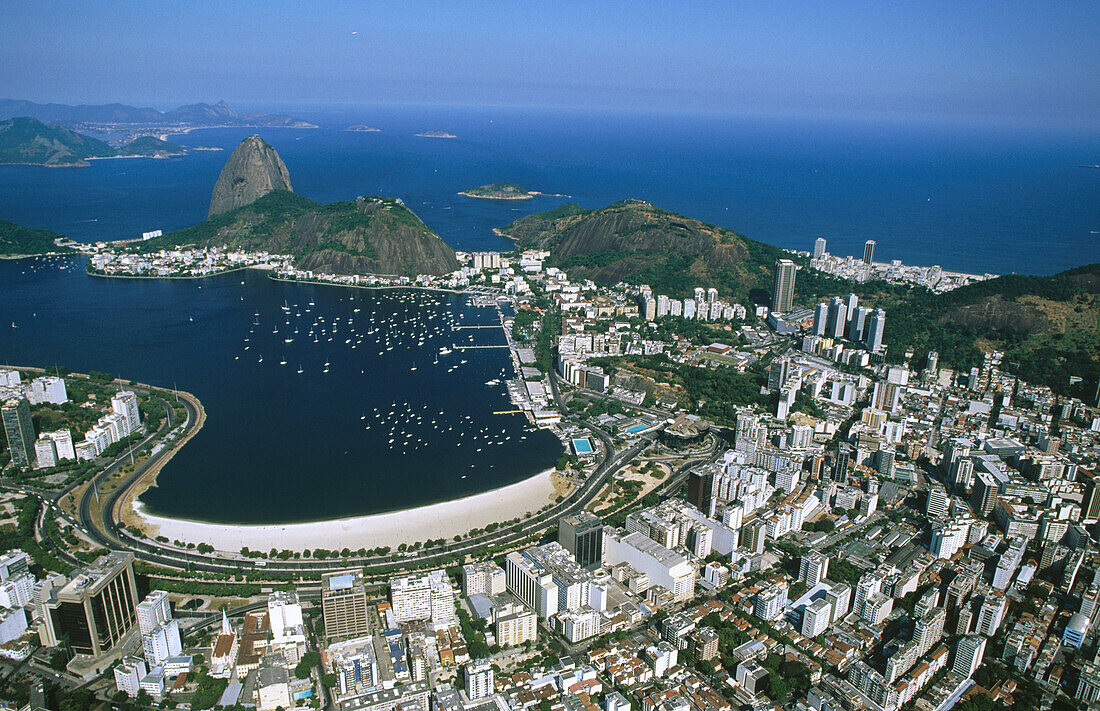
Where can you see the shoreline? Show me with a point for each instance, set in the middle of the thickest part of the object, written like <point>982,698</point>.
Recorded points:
<point>444,519</point>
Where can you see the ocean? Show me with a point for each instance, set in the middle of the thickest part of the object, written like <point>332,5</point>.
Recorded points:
<point>284,446</point>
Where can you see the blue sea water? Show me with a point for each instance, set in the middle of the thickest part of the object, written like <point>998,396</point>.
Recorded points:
<point>991,200</point>
<point>281,446</point>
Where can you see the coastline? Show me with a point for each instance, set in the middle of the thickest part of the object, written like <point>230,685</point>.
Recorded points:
<point>445,519</point>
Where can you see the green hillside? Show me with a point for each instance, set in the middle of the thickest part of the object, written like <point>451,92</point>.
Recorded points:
<point>639,243</point>
<point>366,236</point>
<point>18,240</point>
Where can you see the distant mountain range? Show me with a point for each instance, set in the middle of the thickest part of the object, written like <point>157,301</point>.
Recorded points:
<point>191,115</point>
<point>27,140</point>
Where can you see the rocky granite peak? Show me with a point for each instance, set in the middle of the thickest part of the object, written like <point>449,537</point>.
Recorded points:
<point>253,170</point>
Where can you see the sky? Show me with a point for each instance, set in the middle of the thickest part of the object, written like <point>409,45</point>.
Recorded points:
<point>1005,62</point>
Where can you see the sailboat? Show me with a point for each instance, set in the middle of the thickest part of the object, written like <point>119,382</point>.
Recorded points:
<point>300,368</point>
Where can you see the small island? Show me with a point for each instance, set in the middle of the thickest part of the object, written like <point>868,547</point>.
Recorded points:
<point>498,191</point>
<point>436,134</point>
<point>361,128</point>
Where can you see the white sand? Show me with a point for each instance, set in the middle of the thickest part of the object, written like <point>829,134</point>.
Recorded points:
<point>442,520</point>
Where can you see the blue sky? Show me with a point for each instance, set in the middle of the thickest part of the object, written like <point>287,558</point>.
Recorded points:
<point>1002,62</point>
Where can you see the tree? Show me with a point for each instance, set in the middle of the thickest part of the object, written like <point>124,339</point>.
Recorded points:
<point>328,680</point>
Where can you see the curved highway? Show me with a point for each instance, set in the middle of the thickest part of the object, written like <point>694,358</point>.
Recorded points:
<point>106,531</point>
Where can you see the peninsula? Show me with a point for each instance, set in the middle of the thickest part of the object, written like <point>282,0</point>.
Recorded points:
<point>26,140</point>
<point>17,241</point>
<point>253,209</point>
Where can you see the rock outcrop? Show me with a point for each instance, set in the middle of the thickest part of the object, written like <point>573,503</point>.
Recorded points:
<point>253,170</point>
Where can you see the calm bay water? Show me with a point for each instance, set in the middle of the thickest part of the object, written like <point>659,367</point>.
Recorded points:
<point>286,446</point>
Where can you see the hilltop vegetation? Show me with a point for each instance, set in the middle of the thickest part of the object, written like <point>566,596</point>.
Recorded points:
<point>636,242</point>
<point>18,240</point>
<point>1047,327</point>
<point>366,236</point>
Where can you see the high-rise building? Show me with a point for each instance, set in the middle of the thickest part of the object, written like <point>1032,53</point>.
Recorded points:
<point>344,604</point>
<point>754,534</point>
<point>483,578</point>
<point>161,643</point>
<point>968,655</point>
<point>991,614</point>
<point>813,568</point>
<point>778,373</point>
<point>876,326</point>
<point>712,295</point>
<point>1091,501</point>
<point>843,458</point>
<point>125,403</point>
<point>815,618</point>
<point>937,501</point>
<point>20,431</point>
<point>857,323</point>
<point>839,597</point>
<point>479,680</point>
<point>821,318</point>
<point>700,490</point>
<point>836,318</point>
<point>869,252</point>
<point>97,607</point>
<point>423,596</point>
<point>582,535</point>
<point>153,611</point>
<point>129,673</point>
<point>819,248</point>
<point>783,286</point>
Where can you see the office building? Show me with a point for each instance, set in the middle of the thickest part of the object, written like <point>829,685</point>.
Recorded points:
<point>97,607</point>
<point>783,286</point>
<point>843,458</point>
<point>821,318</point>
<point>869,252</point>
<point>582,535</point>
<point>20,431</point>
<point>753,536</point>
<point>819,248</point>
<point>479,680</point>
<point>344,604</point>
<point>876,327</point>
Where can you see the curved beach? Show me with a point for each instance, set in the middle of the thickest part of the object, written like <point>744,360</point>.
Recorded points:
<point>443,520</point>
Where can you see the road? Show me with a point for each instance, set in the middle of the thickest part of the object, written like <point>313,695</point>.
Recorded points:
<point>106,532</point>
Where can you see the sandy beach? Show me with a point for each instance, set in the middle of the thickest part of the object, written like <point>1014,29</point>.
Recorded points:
<point>442,520</point>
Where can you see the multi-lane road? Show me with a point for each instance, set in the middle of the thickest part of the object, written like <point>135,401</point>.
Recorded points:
<point>100,524</point>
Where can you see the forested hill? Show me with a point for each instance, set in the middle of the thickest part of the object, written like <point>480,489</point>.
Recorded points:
<point>1048,327</point>
<point>639,243</point>
<point>16,240</point>
<point>370,235</point>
